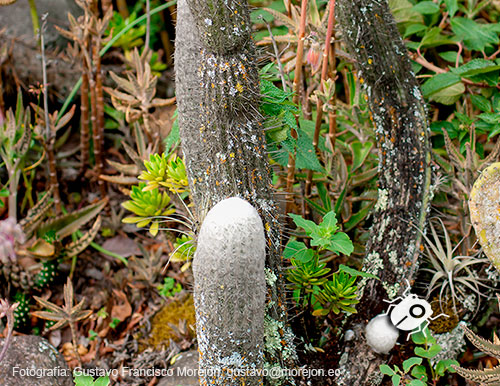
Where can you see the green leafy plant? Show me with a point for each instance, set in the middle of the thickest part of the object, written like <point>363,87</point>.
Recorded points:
<point>325,235</point>
<point>413,371</point>
<point>169,287</point>
<point>310,274</point>
<point>15,139</point>
<point>87,380</point>
<point>147,204</point>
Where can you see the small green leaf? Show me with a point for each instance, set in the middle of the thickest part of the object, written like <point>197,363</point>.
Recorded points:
<point>419,372</point>
<point>359,153</point>
<point>439,82</point>
<point>396,379</point>
<point>475,36</point>
<point>426,8</point>
<point>413,29</point>
<point>340,242</point>
<point>329,222</point>
<point>298,251</point>
<point>449,95</point>
<point>409,363</point>
<point>102,381</point>
<point>475,67</point>
<point>451,7</point>
<point>481,103</point>
<point>355,272</point>
<point>308,225</point>
<point>451,56</point>
<point>387,370</point>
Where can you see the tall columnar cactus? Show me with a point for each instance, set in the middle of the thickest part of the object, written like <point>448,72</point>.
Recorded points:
<point>230,293</point>
<point>223,140</point>
<point>484,204</point>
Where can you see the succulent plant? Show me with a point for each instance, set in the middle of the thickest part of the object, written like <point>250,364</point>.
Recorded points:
<point>147,205</point>
<point>169,173</point>
<point>47,274</point>
<point>486,376</point>
<point>337,294</point>
<point>21,313</point>
<point>485,212</point>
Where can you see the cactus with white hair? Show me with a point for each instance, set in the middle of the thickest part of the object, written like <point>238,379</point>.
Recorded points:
<point>230,294</point>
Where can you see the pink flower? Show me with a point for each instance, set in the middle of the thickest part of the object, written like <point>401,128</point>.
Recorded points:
<point>10,233</point>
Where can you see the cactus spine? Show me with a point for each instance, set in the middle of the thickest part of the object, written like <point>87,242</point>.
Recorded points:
<point>230,294</point>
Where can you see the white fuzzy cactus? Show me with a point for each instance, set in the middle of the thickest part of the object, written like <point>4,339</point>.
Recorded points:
<point>229,294</point>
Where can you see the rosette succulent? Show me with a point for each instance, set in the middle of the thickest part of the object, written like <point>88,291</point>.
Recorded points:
<point>148,206</point>
<point>169,173</point>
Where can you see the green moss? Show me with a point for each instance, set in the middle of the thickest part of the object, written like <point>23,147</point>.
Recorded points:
<point>443,324</point>
<point>174,313</point>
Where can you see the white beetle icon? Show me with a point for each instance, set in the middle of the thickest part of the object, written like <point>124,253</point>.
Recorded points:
<point>410,312</point>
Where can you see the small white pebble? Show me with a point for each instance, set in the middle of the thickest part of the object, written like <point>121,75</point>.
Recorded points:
<point>381,335</point>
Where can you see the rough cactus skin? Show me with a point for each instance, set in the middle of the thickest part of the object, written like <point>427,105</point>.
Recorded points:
<point>223,140</point>
<point>230,293</point>
<point>485,212</point>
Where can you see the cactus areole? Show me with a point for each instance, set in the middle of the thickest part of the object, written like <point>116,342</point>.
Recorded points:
<point>484,204</point>
<point>230,294</point>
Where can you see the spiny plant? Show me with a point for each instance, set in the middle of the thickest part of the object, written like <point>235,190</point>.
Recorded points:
<point>136,95</point>
<point>486,376</point>
<point>45,234</point>
<point>452,275</point>
<point>21,313</point>
<point>45,240</point>
<point>67,314</point>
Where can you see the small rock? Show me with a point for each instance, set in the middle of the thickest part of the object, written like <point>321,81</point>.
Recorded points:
<point>32,360</point>
<point>187,363</point>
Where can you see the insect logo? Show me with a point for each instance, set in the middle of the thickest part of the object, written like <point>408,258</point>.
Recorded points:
<point>412,313</point>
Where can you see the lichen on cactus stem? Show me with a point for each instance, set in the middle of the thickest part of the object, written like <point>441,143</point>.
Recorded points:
<point>484,204</point>
<point>230,294</point>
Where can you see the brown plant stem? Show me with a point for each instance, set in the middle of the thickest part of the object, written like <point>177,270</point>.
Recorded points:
<point>49,140</point>
<point>7,310</point>
<point>84,111</point>
<point>49,148</point>
<point>290,179</point>
<point>75,343</point>
<point>319,105</point>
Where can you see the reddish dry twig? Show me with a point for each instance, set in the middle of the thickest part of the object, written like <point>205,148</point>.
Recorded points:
<point>319,105</point>
<point>290,179</point>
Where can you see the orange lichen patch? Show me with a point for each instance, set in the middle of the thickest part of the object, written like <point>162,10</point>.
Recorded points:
<point>178,312</point>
